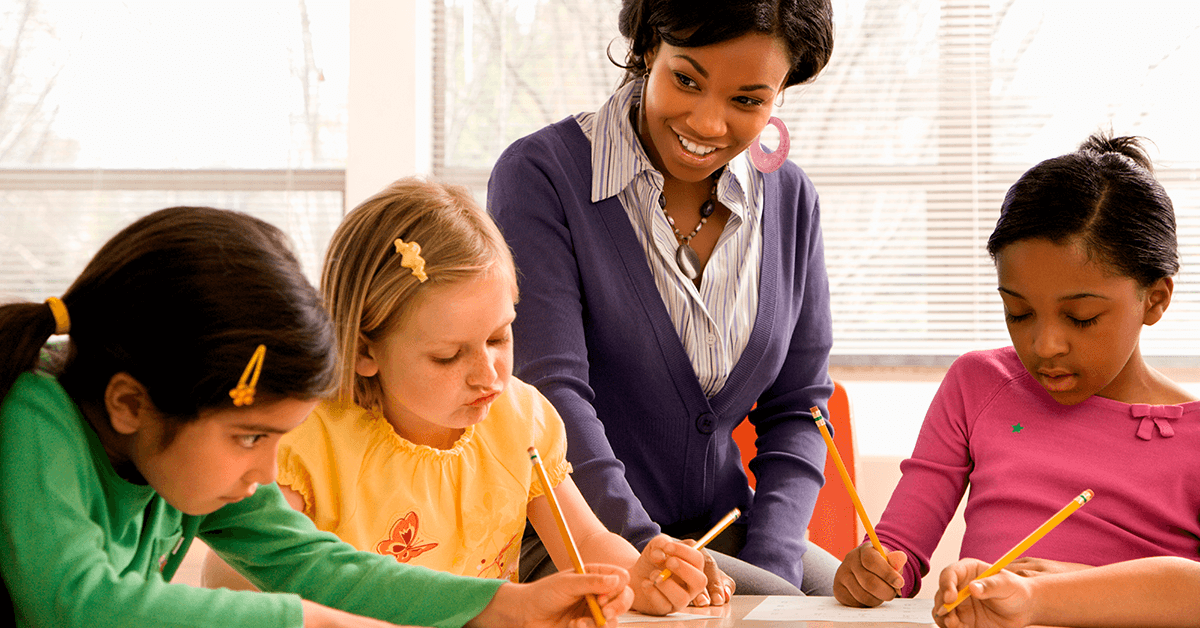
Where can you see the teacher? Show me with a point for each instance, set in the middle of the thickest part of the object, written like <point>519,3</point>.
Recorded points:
<point>673,283</point>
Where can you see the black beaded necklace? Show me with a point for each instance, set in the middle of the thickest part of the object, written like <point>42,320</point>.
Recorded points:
<point>685,256</point>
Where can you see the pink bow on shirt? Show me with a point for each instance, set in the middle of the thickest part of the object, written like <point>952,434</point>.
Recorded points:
<point>1155,416</point>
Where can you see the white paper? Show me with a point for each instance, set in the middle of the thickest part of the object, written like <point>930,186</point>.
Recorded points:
<point>797,608</point>
<point>633,617</point>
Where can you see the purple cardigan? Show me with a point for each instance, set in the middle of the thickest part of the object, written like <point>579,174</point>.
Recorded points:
<point>592,334</point>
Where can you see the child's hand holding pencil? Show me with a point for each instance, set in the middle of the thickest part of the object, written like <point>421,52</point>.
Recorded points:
<point>685,580</point>
<point>868,576</point>
<point>1002,600</point>
<point>720,587</point>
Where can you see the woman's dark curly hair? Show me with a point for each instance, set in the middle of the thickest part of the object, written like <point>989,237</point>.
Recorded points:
<point>805,26</point>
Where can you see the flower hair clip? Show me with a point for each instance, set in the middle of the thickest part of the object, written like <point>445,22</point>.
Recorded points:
<point>243,394</point>
<point>410,257</point>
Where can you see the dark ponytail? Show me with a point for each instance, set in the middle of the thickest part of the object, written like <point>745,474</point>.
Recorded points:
<point>1104,195</point>
<point>24,329</point>
<point>180,299</point>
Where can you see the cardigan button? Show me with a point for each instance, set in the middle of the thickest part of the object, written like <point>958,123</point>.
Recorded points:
<point>706,423</point>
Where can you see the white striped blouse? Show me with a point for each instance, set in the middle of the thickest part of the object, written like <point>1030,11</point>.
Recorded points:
<point>715,321</point>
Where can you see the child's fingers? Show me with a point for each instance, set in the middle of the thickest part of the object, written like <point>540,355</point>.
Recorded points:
<point>957,575</point>
<point>682,550</point>
<point>997,586</point>
<point>687,581</point>
<point>657,594</point>
<point>884,569</point>
<point>611,590</point>
<point>951,620</point>
<point>951,576</point>
<point>896,560</point>
<point>858,581</point>
<point>606,580</point>
<point>720,586</point>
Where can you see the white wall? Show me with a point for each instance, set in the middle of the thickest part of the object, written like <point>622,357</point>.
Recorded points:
<point>389,106</point>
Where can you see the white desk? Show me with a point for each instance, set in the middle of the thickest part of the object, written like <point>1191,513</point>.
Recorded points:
<point>732,616</point>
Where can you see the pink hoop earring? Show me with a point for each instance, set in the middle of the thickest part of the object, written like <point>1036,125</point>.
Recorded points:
<point>770,162</point>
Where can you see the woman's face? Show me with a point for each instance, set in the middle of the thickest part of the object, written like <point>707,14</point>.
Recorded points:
<point>703,106</point>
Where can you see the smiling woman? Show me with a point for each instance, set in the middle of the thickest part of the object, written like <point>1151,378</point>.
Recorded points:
<point>670,282</point>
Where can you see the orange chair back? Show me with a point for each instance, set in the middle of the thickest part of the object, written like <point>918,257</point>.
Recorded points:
<point>834,524</point>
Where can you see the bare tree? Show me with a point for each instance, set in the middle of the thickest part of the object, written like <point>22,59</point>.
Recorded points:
<point>310,75</point>
<point>26,119</point>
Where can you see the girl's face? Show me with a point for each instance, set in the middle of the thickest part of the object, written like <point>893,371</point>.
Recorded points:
<point>703,106</point>
<point>218,459</point>
<point>1074,324</point>
<point>448,359</point>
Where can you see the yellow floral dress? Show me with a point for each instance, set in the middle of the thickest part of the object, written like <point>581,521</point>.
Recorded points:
<point>459,510</point>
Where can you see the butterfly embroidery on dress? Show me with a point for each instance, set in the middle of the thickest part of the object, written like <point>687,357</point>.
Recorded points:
<point>503,571</point>
<point>403,540</point>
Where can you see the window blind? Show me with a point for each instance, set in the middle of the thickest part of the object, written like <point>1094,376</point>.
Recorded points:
<point>928,111</point>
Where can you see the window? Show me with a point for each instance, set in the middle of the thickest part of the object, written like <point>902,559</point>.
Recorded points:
<point>112,109</point>
<point>926,114</point>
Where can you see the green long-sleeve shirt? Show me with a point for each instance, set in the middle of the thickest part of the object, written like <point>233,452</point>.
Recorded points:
<point>80,546</point>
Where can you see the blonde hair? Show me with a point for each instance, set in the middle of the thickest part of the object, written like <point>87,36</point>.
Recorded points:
<point>366,288</point>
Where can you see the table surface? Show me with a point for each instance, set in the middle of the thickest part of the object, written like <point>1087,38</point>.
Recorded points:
<point>732,614</point>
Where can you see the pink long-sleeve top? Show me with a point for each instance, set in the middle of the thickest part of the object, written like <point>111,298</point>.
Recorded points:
<point>993,428</point>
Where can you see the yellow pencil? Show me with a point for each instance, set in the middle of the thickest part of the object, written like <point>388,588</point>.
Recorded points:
<point>841,467</point>
<point>540,471</point>
<point>704,540</point>
<point>1021,547</point>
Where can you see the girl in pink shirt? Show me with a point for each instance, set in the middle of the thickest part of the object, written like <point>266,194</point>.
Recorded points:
<point>1085,252</point>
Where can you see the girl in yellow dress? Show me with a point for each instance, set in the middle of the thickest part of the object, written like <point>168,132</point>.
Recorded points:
<point>423,455</point>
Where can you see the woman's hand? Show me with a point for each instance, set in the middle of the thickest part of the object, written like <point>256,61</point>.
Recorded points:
<point>1000,601</point>
<point>687,580</point>
<point>557,601</point>
<point>720,586</point>
<point>866,579</point>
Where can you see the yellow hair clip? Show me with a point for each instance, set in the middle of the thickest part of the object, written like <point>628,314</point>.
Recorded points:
<point>411,258</point>
<point>243,395</point>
